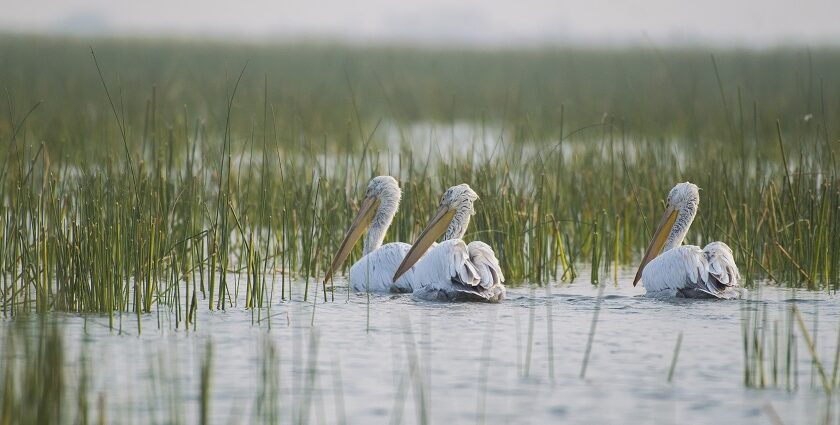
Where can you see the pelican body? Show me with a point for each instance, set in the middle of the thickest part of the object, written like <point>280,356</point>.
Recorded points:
<point>374,271</point>
<point>686,270</point>
<point>452,270</point>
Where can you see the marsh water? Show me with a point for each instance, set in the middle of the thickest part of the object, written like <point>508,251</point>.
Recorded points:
<point>392,359</point>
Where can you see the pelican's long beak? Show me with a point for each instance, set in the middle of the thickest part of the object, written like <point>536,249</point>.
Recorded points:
<point>356,230</point>
<point>659,238</point>
<point>436,227</point>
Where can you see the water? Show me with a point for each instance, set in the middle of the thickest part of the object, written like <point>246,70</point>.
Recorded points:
<point>456,363</point>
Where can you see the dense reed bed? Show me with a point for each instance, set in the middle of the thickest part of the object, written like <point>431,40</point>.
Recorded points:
<point>182,173</point>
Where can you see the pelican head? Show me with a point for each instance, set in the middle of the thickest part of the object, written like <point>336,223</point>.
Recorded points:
<point>450,220</point>
<point>680,209</point>
<point>382,199</point>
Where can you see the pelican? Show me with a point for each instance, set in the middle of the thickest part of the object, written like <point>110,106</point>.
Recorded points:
<point>373,272</point>
<point>686,270</point>
<point>452,270</point>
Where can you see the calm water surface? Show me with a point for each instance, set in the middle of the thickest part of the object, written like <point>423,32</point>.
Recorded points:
<point>391,359</point>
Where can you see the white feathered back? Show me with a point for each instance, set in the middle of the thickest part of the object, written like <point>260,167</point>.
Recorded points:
<point>691,272</point>
<point>447,273</point>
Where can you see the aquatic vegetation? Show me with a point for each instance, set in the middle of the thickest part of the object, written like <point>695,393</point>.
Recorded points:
<point>183,173</point>
<point>40,385</point>
<point>35,388</point>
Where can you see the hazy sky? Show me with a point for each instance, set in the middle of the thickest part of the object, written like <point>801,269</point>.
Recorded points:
<point>753,22</point>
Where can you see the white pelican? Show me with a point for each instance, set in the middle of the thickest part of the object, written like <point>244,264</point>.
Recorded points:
<point>374,270</point>
<point>686,270</point>
<point>452,270</point>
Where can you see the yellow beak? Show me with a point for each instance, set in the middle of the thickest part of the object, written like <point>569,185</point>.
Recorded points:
<point>659,238</point>
<point>436,227</point>
<point>360,224</point>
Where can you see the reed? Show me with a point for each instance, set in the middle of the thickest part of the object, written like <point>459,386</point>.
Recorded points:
<point>35,388</point>
<point>130,201</point>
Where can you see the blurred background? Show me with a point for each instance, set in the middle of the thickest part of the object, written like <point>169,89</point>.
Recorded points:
<point>746,22</point>
<point>474,22</point>
<point>670,69</point>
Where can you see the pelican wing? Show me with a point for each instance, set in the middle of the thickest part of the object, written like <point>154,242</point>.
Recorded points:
<point>374,272</point>
<point>723,275</point>
<point>485,261</point>
<point>722,269</point>
<point>448,261</point>
<point>447,273</point>
<point>690,272</point>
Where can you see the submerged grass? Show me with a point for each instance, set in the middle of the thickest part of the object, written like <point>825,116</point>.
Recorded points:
<point>35,387</point>
<point>170,176</point>
<point>771,345</point>
<point>40,383</point>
